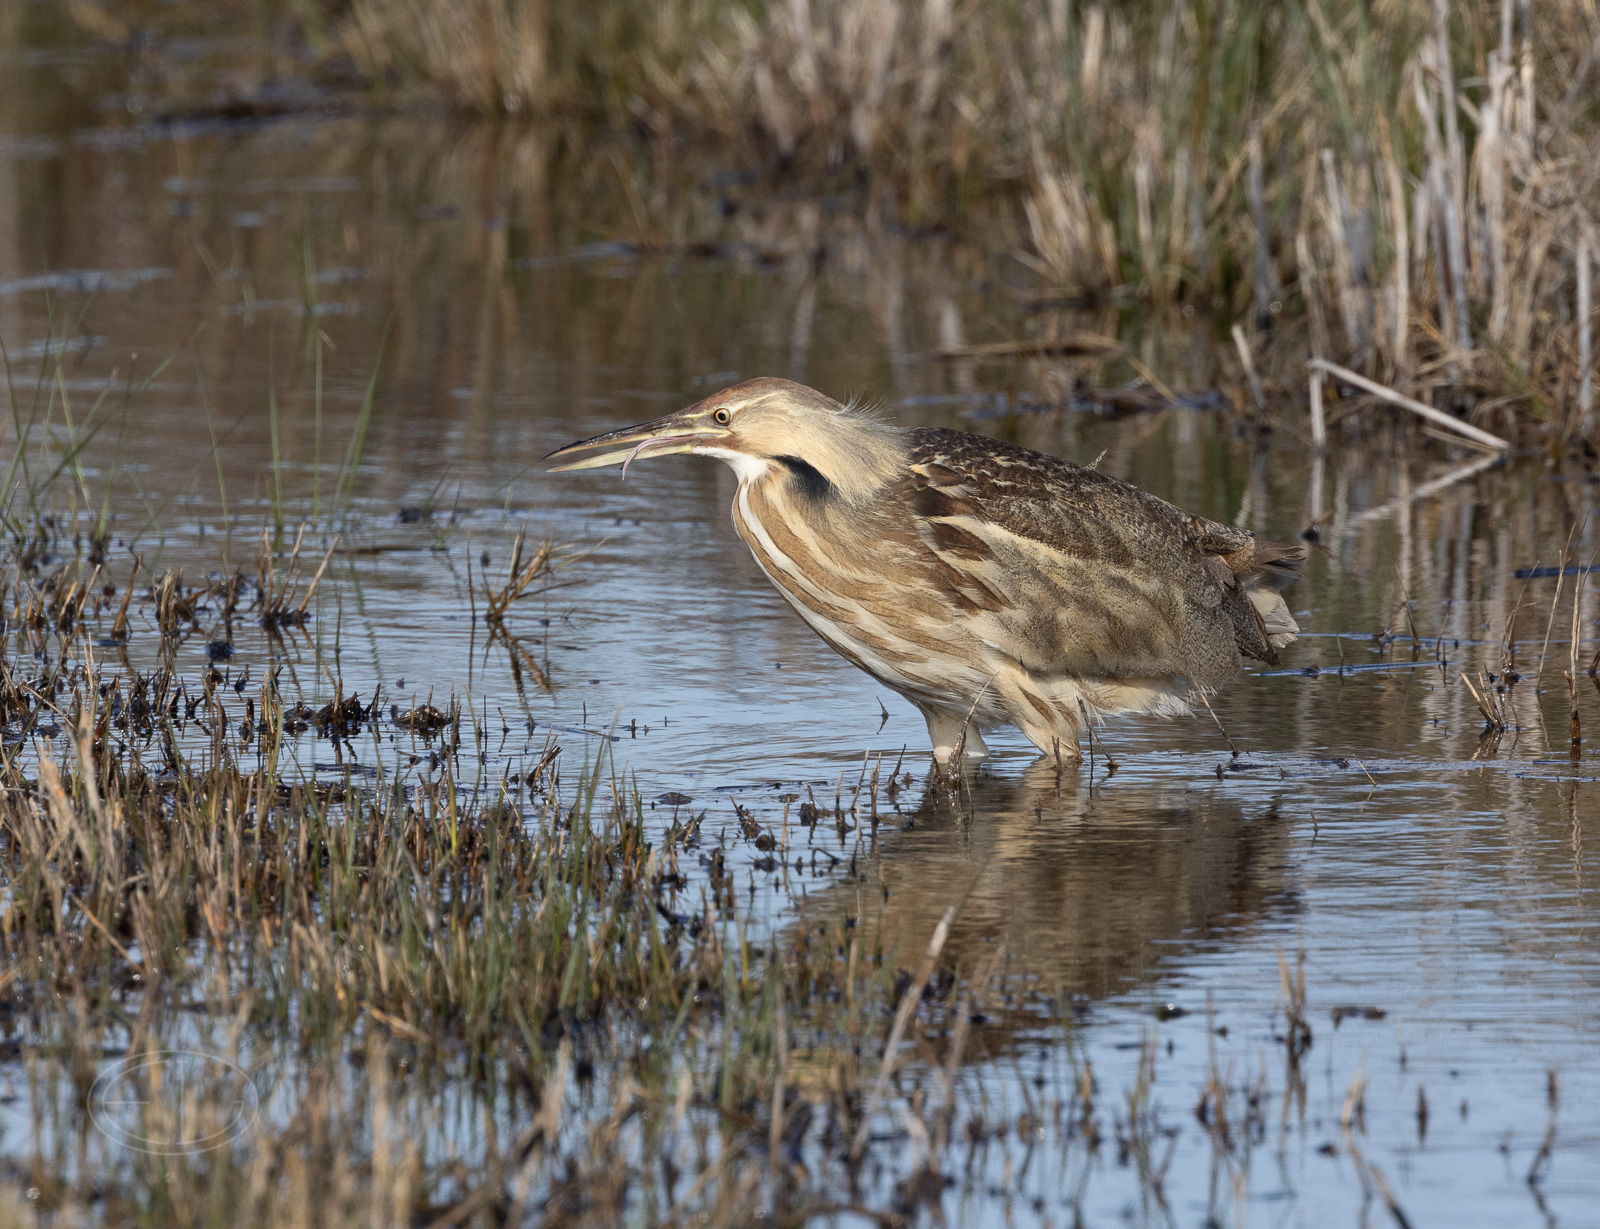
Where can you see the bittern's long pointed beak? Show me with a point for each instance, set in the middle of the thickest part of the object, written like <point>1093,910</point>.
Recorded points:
<point>681,432</point>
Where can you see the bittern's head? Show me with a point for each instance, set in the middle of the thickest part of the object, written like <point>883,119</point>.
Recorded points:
<point>754,427</point>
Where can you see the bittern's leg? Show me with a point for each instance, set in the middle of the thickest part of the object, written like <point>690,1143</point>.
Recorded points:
<point>944,731</point>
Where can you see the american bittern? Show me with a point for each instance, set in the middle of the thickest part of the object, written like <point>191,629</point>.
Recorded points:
<point>988,584</point>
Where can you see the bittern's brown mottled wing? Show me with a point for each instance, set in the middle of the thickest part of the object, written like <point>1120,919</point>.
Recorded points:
<point>1091,576</point>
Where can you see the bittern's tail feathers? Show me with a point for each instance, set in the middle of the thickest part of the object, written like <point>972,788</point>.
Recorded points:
<point>1278,556</point>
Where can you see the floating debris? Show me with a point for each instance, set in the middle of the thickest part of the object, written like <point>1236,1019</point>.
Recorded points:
<point>425,719</point>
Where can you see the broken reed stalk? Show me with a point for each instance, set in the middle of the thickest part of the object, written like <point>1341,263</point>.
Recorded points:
<point>119,627</point>
<point>1201,692</point>
<point>275,603</point>
<point>1542,1156</point>
<point>1555,600</point>
<point>518,577</point>
<point>970,1003</point>
<point>1453,175</point>
<point>1352,1118</point>
<point>1242,344</point>
<point>321,568</point>
<point>1438,417</point>
<point>1319,426</point>
<point>1266,271</point>
<point>1575,726</point>
<point>1095,739</point>
<point>1585,339</point>
<point>1293,985</point>
<point>909,1003</point>
<point>1401,319</point>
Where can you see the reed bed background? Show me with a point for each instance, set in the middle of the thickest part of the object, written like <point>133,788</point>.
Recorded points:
<point>1404,187</point>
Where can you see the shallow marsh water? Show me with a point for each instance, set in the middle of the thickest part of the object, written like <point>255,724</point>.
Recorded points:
<point>1445,883</point>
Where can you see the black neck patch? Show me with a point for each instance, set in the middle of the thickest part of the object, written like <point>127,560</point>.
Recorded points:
<point>811,479</point>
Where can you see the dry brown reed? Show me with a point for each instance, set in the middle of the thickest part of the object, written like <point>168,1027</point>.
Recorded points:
<point>1408,185</point>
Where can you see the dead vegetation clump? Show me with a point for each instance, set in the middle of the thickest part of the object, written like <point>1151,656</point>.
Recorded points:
<point>425,719</point>
<point>527,566</point>
<point>275,593</point>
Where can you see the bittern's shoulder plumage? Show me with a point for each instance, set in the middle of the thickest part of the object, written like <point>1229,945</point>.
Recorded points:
<point>989,584</point>
<point>1097,533</point>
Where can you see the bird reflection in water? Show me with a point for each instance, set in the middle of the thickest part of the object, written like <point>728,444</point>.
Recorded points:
<point>1094,892</point>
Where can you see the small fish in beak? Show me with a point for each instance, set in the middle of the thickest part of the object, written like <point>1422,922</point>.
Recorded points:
<point>685,431</point>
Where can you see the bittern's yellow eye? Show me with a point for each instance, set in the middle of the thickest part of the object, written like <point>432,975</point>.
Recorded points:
<point>722,417</point>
